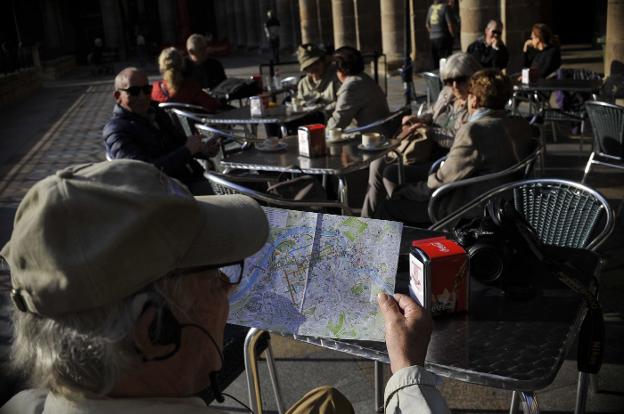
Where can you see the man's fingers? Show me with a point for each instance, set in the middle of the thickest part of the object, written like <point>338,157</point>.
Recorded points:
<point>388,306</point>
<point>409,306</point>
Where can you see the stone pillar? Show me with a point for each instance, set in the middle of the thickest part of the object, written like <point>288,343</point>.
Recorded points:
<point>166,13</point>
<point>113,29</point>
<point>392,31</point>
<point>614,47</point>
<point>239,15</point>
<point>309,18</point>
<point>325,22</point>
<point>253,24</point>
<point>421,47</point>
<point>368,25</point>
<point>284,15</point>
<point>343,23</point>
<point>295,23</point>
<point>474,16</point>
<point>231,21</point>
<point>51,25</point>
<point>517,16</point>
<point>221,19</point>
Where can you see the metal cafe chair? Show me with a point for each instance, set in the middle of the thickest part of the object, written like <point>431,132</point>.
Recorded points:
<point>177,113</point>
<point>434,86</point>
<point>607,122</point>
<point>447,193</point>
<point>562,213</point>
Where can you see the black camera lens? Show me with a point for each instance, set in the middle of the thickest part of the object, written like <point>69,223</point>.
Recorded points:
<point>486,263</point>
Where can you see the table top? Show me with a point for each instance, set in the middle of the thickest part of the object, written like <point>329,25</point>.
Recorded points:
<point>242,115</point>
<point>341,158</point>
<point>502,343</point>
<point>570,85</point>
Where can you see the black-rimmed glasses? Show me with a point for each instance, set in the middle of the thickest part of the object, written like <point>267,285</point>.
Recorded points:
<point>135,90</point>
<point>232,273</point>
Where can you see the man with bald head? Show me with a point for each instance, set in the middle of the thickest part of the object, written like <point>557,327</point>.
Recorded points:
<point>489,49</point>
<point>139,130</point>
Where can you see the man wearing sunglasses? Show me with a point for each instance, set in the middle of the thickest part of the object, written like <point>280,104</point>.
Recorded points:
<point>120,298</point>
<point>489,49</point>
<point>139,130</point>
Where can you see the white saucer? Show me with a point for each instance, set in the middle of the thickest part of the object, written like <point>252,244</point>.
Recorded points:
<point>273,148</point>
<point>344,138</point>
<point>383,146</point>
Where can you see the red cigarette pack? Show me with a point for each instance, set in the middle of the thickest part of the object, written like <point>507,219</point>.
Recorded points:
<point>439,275</point>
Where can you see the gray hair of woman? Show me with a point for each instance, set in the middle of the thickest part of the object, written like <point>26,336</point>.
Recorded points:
<point>459,65</point>
<point>171,65</point>
<point>83,354</point>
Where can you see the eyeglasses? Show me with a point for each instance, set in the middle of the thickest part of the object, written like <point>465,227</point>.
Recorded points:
<point>135,90</point>
<point>497,32</point>
<point>232,274</point>
<point>459,79</point>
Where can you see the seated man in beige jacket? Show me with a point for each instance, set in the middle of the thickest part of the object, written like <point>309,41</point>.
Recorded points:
<point>491,141</point>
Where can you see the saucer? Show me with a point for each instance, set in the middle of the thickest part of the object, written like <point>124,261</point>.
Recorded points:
<point>383,146</point>
<point>344,138</point>
<point>273,148</point>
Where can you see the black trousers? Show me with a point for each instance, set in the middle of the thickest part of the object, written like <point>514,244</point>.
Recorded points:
<point>441,48</point>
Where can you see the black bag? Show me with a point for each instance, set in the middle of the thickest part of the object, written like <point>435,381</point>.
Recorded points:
<point>301,188</point>
<point>504,250</point>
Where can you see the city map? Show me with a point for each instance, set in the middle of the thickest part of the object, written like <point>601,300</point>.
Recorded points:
<point>319,275</point>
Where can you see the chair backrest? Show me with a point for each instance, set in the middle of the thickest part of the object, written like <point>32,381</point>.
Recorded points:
<point>607,121</point>
<point>453,196</point>
<point>183,116</point>
<point>224,184</point>
<point>387,126</point>
<point>562,212</point>
<point>434,86</point>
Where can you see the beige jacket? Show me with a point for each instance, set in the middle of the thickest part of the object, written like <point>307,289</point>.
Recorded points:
<point>323,92</point>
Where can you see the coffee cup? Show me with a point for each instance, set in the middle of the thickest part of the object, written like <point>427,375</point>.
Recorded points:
<point>333,134</point>
<point>271,142</point>
<point>371,139</point>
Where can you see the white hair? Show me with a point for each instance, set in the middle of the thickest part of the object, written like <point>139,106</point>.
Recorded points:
<point>459,65</point>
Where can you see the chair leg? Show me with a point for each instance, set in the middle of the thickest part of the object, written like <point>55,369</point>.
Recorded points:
<point>251,370</point>
<point>515,399</point>
<point>588,167</point>
<point>553,126</point>
<point>582,140</point>
<point>274,382</point>
<point>379,390</point>
<point>581,393</point>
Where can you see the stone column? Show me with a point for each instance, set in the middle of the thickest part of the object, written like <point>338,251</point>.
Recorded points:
<point>284,16</point>
<point>325,22</point>
<point>392,31</point>
<point>253,24</point>
<point>231,21</point>
<point>368,25</point>
<point>474,16</point>
<point>166,12</point>
<point>517,16</point>
<point>309,18</point>
<point>343,23</point>
<point>421,47</point>
<point>614,47</point>
<point>221,18</point>
<point>113,29</point>
<point>51,25</point>
<point>239,15</point>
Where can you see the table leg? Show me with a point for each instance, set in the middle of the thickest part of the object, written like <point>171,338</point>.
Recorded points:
<point>251,370</point>
<point>343,191</point>
<point>581,393</point>
<point>379,389</point>
<point>513,407</point>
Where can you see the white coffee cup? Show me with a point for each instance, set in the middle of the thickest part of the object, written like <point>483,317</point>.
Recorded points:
<point>372,139</point>
<point>271,142</point>
<point>333,134</point>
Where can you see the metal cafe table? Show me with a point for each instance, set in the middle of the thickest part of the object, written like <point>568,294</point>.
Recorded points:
<point>547,86</point>
<point>511,344</point>
<point>341,158</point>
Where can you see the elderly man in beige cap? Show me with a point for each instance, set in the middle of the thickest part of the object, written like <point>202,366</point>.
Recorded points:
<point>321,83</point>
<point>119,303</point>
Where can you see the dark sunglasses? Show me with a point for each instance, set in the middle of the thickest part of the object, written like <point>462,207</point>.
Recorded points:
<point>459,79</point>
<point>232,274</point>
<point>497,32</point>
<point>135,90</point>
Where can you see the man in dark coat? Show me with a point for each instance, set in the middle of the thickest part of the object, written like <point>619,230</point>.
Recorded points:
<point>489,50</point>
<point>139,130</point>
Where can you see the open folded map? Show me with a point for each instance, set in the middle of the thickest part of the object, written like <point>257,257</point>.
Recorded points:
<point>319,275</point>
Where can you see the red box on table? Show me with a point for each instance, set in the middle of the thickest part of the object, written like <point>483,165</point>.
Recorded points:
<point>312,140</point>
<point>439,275</point>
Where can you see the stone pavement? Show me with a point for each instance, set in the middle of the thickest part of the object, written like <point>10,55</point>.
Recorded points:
<point>80,105</point>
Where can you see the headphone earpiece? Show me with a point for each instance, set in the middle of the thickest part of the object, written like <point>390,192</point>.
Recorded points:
<point>165,328</point>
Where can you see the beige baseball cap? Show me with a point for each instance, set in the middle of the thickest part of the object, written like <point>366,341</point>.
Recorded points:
<point>308,54</point>
<point>94,234</point>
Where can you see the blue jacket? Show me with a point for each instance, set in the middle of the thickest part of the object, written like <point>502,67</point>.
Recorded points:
<point>128,135</point>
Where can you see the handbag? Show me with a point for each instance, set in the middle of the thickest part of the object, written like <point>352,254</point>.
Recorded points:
<point>414,146</point>
<point>302,188</point>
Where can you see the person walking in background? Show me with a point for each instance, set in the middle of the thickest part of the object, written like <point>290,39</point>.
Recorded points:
<point>489,49</point>
<point>200,66</point>
<point>441,27</point>
<point>541,52</point>
<point>271,29</point>
<point>175,87</point>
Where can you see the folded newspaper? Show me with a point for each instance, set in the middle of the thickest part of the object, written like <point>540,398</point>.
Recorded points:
<point>319,275</point>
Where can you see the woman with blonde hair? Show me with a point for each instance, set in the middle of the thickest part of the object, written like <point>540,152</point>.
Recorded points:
<point>175,87</point>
